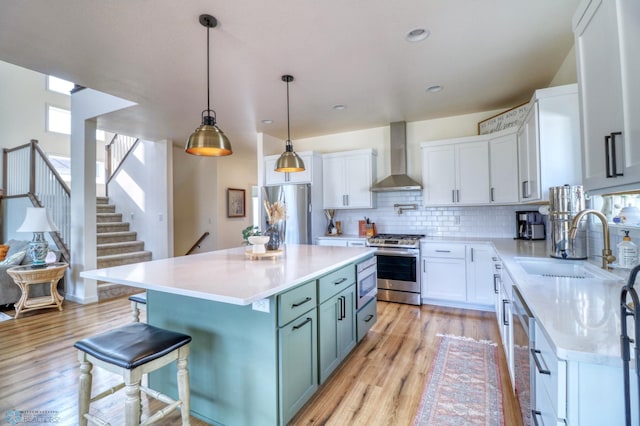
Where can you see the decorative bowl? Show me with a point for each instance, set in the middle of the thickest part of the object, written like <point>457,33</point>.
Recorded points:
<point>258,242</point>
<point>259,239</point>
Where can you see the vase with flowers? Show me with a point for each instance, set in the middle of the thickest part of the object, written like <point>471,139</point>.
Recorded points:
<point>276,213</point>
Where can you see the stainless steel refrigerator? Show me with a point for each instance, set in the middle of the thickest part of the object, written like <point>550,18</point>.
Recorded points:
<point>297,199</point>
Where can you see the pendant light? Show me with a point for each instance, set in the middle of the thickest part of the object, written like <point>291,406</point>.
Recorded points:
<point>289,161</point>
<point>208,140</point>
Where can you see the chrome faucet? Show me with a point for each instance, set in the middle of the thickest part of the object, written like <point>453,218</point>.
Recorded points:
<point>607,256</point>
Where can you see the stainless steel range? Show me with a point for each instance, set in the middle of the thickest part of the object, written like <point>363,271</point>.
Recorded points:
<point>398,258</point>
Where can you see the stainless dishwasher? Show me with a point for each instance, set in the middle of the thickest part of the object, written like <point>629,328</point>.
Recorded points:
<point>523,344</point>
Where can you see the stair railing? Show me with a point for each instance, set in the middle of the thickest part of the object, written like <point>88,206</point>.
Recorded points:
<point>42,185</point>
<point>197,244</point>
<point>116,151</point>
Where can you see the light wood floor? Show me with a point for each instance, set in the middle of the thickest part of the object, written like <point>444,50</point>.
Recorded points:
<point>379,384</point>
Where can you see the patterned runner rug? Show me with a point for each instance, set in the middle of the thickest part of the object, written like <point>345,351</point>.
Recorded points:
<point>463,387</point>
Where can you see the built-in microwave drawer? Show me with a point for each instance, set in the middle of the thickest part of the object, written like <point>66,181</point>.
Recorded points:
<point>448,250</point>
<point>550,373</point>
<point>296,302</point>
<point>336,281</point>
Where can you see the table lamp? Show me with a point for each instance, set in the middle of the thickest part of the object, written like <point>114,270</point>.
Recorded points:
<point>38,222</point>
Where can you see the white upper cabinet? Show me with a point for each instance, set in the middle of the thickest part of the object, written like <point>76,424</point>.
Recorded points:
<point>606,38</point>
<point>271,177</point>
<point>503,168</point>
<point>347,179</point>
<point>456,172</point>
<point>549,143</point>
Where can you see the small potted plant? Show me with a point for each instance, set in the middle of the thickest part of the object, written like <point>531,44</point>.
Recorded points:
<point>249,231</point>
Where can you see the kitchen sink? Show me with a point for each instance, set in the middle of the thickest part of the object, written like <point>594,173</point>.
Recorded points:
<point>557,268</point>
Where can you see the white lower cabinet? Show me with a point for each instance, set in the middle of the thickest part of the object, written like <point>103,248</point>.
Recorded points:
<point>458,273</point>
<point>480,274</point>
<point>504,315</point>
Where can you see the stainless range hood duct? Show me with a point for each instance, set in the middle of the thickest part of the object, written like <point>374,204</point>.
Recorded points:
<point>398,180</point>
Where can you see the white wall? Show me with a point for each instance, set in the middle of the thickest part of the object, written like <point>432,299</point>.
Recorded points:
<point>378,139</point>
<point>567,73</point>
<point>23,100</point>
<point>140,190</point>
<point>200,198</point>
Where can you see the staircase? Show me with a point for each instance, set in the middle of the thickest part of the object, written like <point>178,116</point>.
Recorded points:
<point>116,245</point>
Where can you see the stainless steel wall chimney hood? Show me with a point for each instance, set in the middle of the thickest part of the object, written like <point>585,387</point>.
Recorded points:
<point>398,180</point>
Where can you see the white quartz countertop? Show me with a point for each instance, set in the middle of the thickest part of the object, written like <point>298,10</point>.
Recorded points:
<point>230,276</point>
<point>580,316</point>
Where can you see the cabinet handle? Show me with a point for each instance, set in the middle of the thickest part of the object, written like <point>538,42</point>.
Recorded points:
<point>613,154</point>
<point>295,305</point>
<point>607,156</point>
<point>491,194</point>
<point>453,195</point>
<point>534,353</point>
<point>505,302</point>
<point>344,307</point>
<point>472,254</point>
<point>340,281</point>
<point>525,189</point>
<point>457,195</point>
<point>534,416</point>
<point>424,265</point>
<point>295,327</point>
<point>368,318</point>
<point>496,277</point>
<point>443,251</point>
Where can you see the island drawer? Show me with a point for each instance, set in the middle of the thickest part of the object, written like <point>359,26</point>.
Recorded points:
<point>333,283</point>
<point>366,317</point>
<point>551,373</point>
<point>296,302</point>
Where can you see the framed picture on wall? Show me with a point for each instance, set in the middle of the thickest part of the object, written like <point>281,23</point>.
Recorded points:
<point>235,202</point>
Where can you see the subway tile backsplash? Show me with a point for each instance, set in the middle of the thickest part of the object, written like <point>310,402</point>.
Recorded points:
<point>484,221</point>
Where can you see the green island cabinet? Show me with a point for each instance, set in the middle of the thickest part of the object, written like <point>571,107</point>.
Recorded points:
<point>249,367</point>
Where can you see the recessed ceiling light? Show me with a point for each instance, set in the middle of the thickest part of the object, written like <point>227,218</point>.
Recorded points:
<point>434,89</point>
<point>417,34</point>
<point>267,121</point>
<point>339,107</point>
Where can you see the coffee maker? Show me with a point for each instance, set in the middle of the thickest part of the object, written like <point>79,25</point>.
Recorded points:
<point>529,225</point>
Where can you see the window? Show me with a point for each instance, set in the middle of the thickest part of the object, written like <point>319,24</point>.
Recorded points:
<point>59,85</point>
<point>63,167</point>
<point>58,120</point>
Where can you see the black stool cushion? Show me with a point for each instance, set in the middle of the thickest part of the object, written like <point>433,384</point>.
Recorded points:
<point>139,298</point>
<point>133,344</point>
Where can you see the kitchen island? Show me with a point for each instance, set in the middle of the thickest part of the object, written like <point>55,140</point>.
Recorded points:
<point>262,329</point>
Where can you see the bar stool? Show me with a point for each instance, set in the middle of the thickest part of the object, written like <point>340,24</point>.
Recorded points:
<point>131,351</point>
<point>138,301</point>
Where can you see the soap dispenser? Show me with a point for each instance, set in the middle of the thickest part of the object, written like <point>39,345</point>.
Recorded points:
<point>627,252</point>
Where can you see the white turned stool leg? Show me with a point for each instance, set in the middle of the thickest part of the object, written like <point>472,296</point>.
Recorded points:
<point>132,402</point>
<point>84,393</point>
<point>183,384</point>
<point>135,311</point>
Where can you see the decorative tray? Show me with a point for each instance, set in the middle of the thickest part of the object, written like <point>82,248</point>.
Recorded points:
<point>269,254</point>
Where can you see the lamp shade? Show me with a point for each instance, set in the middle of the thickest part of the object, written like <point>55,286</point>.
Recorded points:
<point>208,140</point>
<point>37,220</point>
<point>289,161</point>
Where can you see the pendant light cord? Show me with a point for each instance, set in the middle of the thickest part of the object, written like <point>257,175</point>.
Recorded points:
<point>288,130</point>
<point>208,90</point>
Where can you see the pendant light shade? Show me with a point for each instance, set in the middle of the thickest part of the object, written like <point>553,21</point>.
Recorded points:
<point>208,140</point>
<point>289,161</point>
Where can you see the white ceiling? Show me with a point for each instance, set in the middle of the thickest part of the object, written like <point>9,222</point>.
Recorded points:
<point>487,54</point>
